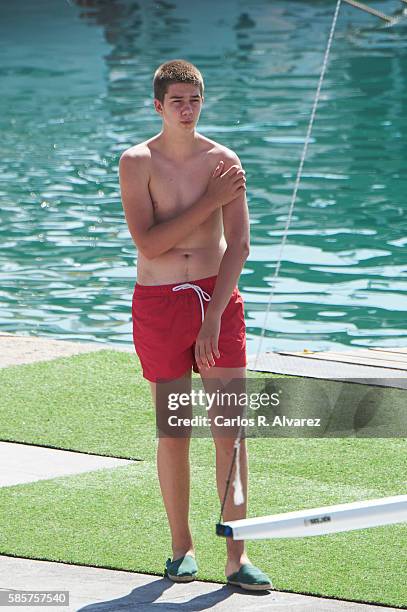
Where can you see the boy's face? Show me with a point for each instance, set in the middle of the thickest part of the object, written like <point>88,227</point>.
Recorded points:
<point>181,107</point>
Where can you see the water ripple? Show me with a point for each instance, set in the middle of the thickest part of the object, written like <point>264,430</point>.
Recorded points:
<point>67,261</point>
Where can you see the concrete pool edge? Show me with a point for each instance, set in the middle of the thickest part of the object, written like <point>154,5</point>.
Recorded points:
<point>17,349</point>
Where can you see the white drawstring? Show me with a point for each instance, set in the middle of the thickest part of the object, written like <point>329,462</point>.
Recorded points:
<point>199,291</point>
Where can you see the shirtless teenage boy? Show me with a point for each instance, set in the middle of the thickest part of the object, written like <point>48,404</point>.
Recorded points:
<point>184,199</point>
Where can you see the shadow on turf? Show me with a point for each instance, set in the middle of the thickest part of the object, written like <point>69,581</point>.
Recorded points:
<point>143,599</point>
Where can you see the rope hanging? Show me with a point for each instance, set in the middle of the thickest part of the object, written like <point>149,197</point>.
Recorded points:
<point>298,178</point>
<point>238,489</point>
<point>314,521</point>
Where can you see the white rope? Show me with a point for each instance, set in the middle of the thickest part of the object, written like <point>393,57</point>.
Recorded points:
<point>237,483</point>
<point>315,521</point>
<point>298,179</point>
<point>238,497</point>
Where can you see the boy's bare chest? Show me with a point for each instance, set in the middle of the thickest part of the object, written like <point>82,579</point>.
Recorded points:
<point>173,188</point>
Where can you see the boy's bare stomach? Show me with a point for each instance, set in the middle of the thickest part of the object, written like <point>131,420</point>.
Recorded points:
<point>180,264</point>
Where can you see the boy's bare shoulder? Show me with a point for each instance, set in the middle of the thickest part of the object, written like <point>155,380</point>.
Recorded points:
<point>219,151</point>
<point>139,153</point>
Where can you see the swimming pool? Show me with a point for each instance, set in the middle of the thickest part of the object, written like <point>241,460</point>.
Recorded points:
<point>76,91</point>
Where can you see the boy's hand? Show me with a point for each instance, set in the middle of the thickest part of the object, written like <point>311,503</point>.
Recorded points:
<point>223,188</point>
<point>206,345</point>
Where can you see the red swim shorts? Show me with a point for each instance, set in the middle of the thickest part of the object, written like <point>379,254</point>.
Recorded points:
<point>167,320</point>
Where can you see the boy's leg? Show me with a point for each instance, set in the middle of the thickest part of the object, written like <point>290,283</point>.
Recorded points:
<point>215,379</point>
<point>174,470</point>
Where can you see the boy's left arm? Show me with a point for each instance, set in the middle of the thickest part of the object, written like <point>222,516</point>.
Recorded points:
<point>237,234</point>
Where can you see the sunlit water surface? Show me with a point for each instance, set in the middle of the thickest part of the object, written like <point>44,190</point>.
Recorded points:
<point>76,91</point>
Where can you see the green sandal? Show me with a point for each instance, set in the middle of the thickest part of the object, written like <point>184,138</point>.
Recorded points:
<point>183,569</point>
<point>251,578</point>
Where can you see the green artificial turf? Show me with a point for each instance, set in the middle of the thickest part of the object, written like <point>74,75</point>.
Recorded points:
<point>115,518</point>
<point>93,402</point>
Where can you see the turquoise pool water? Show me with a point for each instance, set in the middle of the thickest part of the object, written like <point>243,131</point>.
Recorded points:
<point>76,91</point>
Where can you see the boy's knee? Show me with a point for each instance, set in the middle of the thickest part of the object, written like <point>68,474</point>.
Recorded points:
<point>173,442</point>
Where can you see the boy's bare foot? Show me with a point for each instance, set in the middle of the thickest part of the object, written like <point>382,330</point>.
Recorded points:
<point>177,553</point>
<point>233,565</point>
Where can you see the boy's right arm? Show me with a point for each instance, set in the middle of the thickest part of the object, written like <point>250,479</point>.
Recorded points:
<point>154,239</point>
